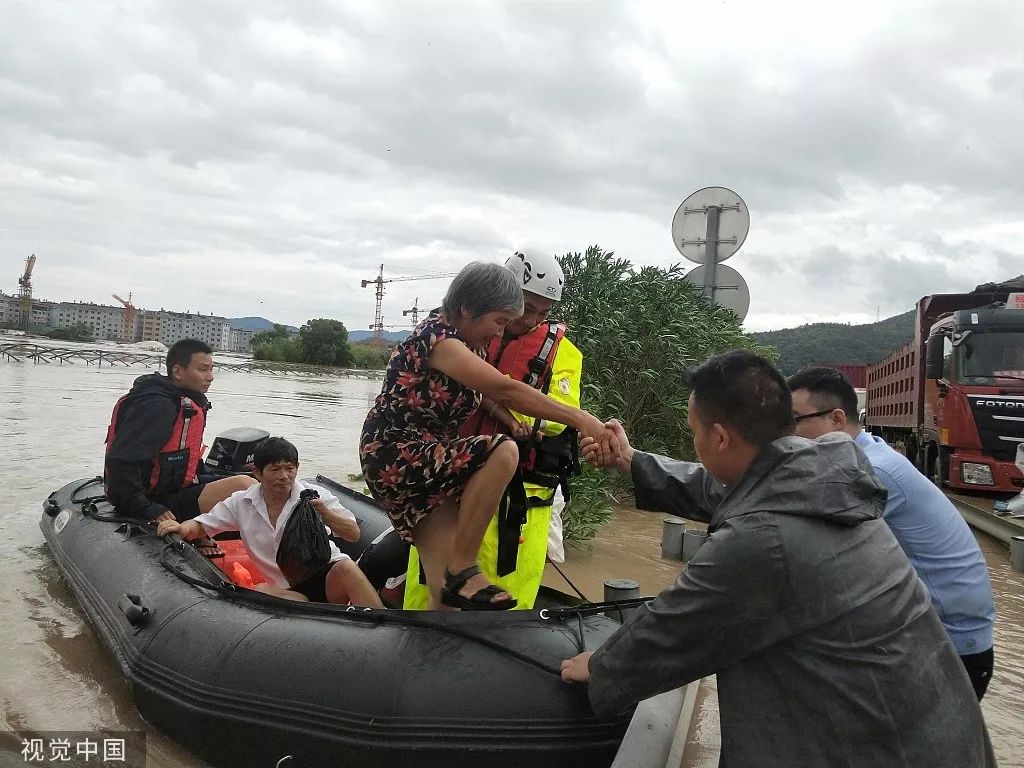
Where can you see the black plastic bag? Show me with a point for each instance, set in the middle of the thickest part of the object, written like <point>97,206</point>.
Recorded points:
<point>305,548</point>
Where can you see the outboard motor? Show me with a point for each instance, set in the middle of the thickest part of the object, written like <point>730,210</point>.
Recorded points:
<point>232,450</point>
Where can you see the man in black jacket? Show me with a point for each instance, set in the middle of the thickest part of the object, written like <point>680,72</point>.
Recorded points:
<point>153,465</point>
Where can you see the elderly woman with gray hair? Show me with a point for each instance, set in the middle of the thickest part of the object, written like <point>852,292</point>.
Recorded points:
<point>439,489</point>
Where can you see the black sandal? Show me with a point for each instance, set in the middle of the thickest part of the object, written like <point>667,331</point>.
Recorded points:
<point>208,544</point>
<point>481,599</point>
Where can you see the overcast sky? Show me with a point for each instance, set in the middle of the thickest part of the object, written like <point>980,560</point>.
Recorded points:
<point>260,158</point>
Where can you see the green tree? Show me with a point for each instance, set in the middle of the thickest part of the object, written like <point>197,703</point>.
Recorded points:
<point>276,344</point>
<point>325,342</point>
<point>639,330</point>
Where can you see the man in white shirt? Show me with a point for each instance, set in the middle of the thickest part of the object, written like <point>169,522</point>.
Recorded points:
<point>260,515</point>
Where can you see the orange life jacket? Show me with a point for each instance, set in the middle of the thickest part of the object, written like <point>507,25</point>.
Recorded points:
<point>528,358</point>
<point>175,466</point>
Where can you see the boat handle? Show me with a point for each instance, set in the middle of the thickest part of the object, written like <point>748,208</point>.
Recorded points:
<point>133,609</point>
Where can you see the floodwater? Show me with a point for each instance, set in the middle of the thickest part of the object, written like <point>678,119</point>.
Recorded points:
<point>56,674</point>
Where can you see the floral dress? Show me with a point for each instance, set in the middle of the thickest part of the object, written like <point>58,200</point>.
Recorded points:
<point>412,457</point>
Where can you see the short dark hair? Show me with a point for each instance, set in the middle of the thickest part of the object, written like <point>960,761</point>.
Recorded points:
<point>272,450</point>
<point>181,352</point>
<point>828,388</point>
<point>746,392</point>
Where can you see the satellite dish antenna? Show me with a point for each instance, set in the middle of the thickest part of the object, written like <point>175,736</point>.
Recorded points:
<point>730,291</point>
<point>710,208</point>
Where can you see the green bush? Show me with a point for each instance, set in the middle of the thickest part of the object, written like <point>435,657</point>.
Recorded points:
<point>638,330</point>
<point>590,505</point>
<point>369,357</point>
<point>277,350</point>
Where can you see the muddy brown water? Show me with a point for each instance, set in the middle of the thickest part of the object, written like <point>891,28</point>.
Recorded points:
<point>55,674</point>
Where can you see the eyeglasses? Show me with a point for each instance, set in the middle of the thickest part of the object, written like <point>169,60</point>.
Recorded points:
<point>801,417</point>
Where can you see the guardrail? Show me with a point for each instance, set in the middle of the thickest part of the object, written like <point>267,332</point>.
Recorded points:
<point>978,514</point>
<point>35,353</point>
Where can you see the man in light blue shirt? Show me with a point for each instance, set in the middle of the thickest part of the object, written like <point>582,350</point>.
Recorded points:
<point>927,526</point>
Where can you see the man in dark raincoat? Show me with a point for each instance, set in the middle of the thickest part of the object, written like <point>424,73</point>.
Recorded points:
<point>824,642</point>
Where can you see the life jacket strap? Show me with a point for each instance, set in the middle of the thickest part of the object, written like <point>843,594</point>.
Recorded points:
<point>511,518</point>
<point>188,410</point>
<point>539,368</point>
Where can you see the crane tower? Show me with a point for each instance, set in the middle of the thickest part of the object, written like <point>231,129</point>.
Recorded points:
<point>25,294</point>
<point>378,282</point>
<point>128,318</point>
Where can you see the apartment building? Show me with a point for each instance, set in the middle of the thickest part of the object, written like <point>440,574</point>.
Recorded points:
<point>108,323</point>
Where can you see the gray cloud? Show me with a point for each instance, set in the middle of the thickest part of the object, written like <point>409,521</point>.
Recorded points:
<point>317,140</point>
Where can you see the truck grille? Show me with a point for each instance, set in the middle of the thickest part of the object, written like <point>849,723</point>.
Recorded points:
<point>1000,420</point>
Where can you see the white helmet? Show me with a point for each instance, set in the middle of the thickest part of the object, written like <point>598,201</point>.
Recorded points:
<point>538,273</point>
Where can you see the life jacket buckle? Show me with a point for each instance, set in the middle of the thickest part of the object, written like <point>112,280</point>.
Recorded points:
<point>537,365</point>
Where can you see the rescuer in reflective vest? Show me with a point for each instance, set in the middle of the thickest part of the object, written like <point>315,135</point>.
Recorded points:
<point>153,466</point>
<point>533,350</point>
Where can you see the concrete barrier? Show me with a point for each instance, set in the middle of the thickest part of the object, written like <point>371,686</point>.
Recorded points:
<point>672,538</point>
<point>1017,553</point>
<point>620,589</point>
<point>656,737</point>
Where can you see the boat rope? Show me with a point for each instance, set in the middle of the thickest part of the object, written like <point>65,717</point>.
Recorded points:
<point>211,578</point>
<point>89,509</point>
<point>378,616</point>
<point>590,609</point>
<point>567,579</point>
<point>177,544</point>
<point>94,481</point>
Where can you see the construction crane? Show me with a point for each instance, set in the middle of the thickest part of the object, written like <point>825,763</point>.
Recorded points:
<point>378,282</point>
<point>414,310</point>
<point>25,294</point>
<point>128,330</point>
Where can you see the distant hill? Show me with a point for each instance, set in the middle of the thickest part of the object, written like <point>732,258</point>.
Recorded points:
<point>259,324</point>
<point>391,336</point>
<point>823,343</point>
<point>256,324</point>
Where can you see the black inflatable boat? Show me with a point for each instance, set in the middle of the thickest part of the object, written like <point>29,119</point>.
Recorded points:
<point>246,679</point>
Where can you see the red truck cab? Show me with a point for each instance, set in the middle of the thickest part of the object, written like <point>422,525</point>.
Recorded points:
<point>954,397</point>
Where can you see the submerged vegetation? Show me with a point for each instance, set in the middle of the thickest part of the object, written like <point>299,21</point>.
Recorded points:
<point>81,332</point>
